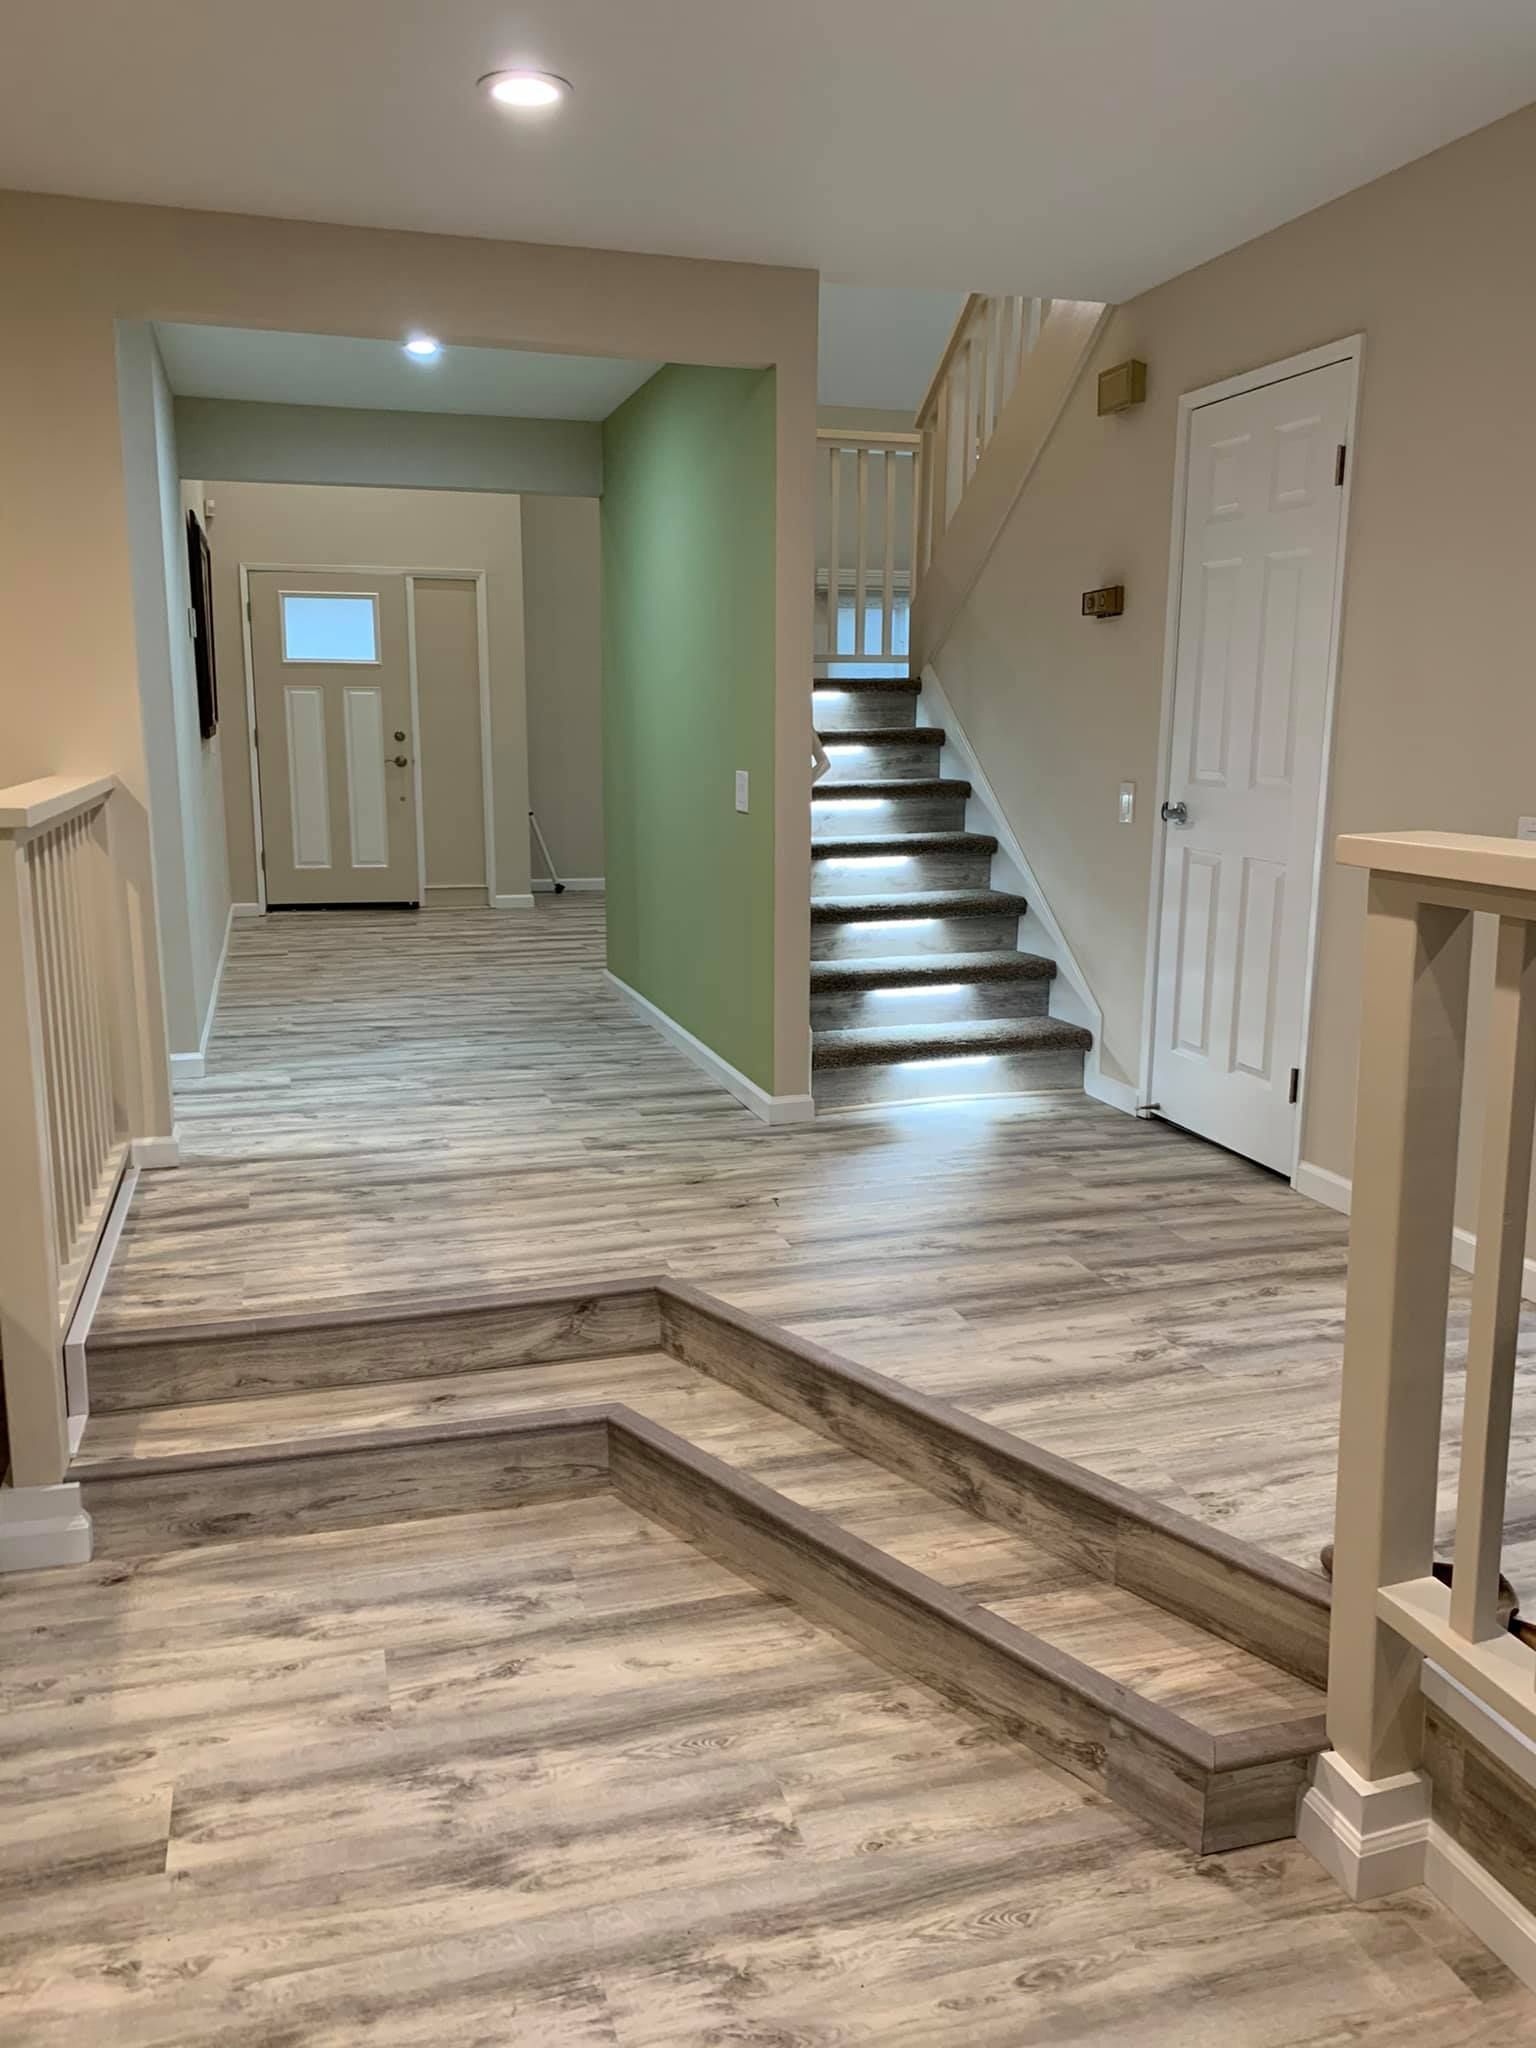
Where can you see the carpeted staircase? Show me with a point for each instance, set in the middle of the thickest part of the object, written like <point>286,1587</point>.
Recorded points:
<point>918,988</point>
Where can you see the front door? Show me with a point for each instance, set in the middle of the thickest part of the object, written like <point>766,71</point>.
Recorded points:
<point>1262,533</point>
<point>335,740</point>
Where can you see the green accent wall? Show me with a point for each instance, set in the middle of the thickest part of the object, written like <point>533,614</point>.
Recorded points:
<point>688,698</point>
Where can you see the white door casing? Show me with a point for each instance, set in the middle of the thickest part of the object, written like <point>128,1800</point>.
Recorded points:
<point>336,747</point>
<point>1257,604</point>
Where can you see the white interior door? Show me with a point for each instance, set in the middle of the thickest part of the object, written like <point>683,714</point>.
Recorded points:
<point>1262,533</point>
<point>335,737</point>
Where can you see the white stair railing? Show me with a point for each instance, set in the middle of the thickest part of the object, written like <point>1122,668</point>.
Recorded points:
<point>992,340</point>
<point>867,494</point>
<point>70,1088</point>
<point>1390,1609</point>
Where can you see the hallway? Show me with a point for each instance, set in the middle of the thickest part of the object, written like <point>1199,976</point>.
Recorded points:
<point>406,1107</point>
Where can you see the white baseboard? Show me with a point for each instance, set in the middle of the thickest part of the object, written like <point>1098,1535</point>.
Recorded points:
<point>246,910</point>
<point>512,902</point>
<point>1071,997</point>
<point>154,1153</point>
<point>1369,1837</point>
<point>191,1066</point>
<point>76,1383</point>
<point>1374,1840</point>
<point>1494,1915</point>
<point>1334,1191</point>
<point>773,1109</point>
<point>187,1066</point>
<point>1118,1094</point>
<point>42,1526</point>
<point>574,885</point>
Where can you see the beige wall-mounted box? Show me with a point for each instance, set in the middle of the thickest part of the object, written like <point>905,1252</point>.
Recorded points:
<point>1122,386</point>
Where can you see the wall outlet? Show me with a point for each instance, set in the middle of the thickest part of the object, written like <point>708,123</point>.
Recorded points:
<point>1127,803</point>
<point>1525,828</point>
<point>741,789</point>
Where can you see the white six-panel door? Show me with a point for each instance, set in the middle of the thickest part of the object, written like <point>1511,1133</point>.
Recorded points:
<point>1262,534</point>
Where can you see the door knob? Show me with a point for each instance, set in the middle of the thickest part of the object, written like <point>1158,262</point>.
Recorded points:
<point>401,761</point>
<point>399,735</point>
<point>1175,814</point>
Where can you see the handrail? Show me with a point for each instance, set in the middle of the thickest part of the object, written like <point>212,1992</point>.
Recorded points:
<point>71,1087</point>
<point>1391,1607</point>
<point>28,806</point>
<point>957,336</point>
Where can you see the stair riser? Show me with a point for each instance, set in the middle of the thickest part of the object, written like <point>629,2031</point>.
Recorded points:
<point>258,1362</point>
<point>875,760</point>
<point>877,818</point>
<point>874,940</point>
<point>899,874</point>
<point>969,1003</point>
<point>837,710</point>
<point>929,1081</point>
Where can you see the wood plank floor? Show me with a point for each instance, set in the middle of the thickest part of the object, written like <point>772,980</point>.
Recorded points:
<point>401,1105</point>
<point>548,1778</point>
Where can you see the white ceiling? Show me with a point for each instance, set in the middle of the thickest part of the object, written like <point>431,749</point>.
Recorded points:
<point>880,346</point>
<point>1082,148</point>
<point>328,369</point>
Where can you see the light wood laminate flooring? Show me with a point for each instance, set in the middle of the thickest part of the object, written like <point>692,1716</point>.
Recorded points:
<point>547,1778</point>
<point>399,1106</point>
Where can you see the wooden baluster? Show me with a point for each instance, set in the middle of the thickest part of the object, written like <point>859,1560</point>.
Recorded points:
<point>1509,1113</point>
<point>834,545</point>
<point>1412,1044</point>
<point>72,983</point>
<point>63,1149</point>
<point>922,507</point>
<point>918,484</point>
<point>888,469</point>
<point>861,548</point>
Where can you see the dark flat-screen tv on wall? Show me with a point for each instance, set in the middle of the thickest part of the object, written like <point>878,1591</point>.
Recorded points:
<point>200,577</point>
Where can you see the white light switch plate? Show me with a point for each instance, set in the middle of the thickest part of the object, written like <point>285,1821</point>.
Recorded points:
<point>1127,803</point>
<point>741,789</point>
<point>1525,828</point>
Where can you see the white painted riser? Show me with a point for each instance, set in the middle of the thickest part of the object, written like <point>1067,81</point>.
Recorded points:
<point>877,820</point>
<point>848,1087</point>
<point>922,871</point>
<point>981,1003</point>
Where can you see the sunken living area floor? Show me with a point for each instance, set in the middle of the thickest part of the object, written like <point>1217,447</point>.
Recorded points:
<point>548,1776</point>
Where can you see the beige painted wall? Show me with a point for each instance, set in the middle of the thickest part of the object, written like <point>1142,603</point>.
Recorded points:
<point>1436,718</point>
<point>185,770</point>
<point>436,451</point>
<point>69,700</point>
<point>449,738</point>
<point>562,609</point>
<point>315,526</point>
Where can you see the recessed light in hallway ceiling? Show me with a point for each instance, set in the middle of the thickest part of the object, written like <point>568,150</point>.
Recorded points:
<point>423,347</point>
<point>525,91</point>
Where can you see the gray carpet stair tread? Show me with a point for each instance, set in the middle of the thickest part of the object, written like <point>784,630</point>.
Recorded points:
<point>917,903</point>
<point>884,1046</point>
<point>903,842</point>
<point>899,970</point>
<point>885,785</point>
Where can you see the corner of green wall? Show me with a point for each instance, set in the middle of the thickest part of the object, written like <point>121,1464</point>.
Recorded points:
<point>688,534</point>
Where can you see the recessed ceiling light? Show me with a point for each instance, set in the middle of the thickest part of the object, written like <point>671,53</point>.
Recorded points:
<point>423,347</point>
<point>525,89</point>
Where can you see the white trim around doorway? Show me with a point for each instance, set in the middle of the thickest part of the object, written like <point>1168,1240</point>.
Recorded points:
<point>483,672</point>
<point>1351,350</point>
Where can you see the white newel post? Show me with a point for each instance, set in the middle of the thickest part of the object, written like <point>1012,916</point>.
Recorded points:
<point>1368,1816</point>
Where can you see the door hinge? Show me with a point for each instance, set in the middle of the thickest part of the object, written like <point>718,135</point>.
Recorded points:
<point>1295,1083</point>
<point>248,607</point>
<point>1338,464</point>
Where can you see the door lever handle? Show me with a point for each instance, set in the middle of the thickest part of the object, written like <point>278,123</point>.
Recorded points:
<point>402,761</point>
<point>1175,814</point>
